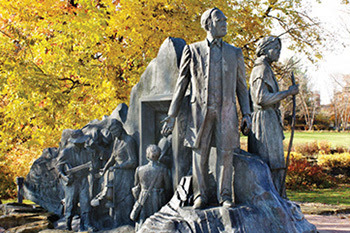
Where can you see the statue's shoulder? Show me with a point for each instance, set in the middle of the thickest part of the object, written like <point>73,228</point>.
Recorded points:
<point>261,70</point>
<point>129,139</point>
<point>162,167</point>
<point>260,64</point>
<point>149,169</point>
<point>258,71</point>
<point>197,45</point>
<point>68,149</point>
<point>232,48</point>
<point>141,169</point>
<point>65,153</point>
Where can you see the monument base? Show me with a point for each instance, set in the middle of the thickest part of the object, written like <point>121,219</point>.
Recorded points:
<point>258,208</point>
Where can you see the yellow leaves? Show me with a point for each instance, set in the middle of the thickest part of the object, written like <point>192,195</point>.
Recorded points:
<point>337,160</point>
<point>62,66</point>
<point>318,55</point>
<point>294,155</point>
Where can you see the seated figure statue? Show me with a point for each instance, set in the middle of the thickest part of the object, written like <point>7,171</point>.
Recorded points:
<point>152,187</point>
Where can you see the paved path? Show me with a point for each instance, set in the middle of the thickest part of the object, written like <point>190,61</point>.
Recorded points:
<point>330,223</point>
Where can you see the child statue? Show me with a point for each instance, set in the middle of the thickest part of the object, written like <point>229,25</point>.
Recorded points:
<point>152,187</point>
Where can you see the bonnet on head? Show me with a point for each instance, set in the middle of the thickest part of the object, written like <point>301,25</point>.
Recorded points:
<point>264,43</point>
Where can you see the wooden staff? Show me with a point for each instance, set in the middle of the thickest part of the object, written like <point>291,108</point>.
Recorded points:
<point>283,184</point>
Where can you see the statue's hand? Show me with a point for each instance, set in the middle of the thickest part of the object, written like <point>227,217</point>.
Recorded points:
<point>115,167</point>
<point>101,173</point>
<point>246,124</point>
<point>293,90</point>
<point>168,126</point>
<point>67,179</point>
<point>98,174</point>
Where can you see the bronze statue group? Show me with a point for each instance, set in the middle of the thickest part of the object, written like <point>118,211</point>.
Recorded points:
<point>215,72</point>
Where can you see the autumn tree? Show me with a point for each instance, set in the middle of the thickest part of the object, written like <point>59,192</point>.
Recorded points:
<point>64,63</point>
<point>309,102</point>
<point>341,102</point>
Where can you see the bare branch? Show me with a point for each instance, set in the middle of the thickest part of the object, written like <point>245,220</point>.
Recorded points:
<point>5,34</point>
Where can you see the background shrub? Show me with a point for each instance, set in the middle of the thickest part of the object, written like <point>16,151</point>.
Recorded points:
<point>335,164</point>
<point>315,148</point>
<point>308,148</point>
<point>304,175</point>
<point>12,165</point>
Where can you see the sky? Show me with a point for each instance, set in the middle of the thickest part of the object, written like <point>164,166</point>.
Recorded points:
<point>334,18</point>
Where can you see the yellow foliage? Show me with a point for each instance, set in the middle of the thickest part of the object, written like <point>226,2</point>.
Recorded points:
<point>295,155</point>
<point>63,65</point>
<point>324,147</point>
<point>15,164</point>
<point>337,160</point>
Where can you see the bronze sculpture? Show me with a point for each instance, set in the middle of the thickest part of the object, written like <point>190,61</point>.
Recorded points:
<point>152,187</point>
<point>266,137</point>
<point>73,165</point>
<point>216,73</point>
<point>260,208</point>
<point>121,167</point>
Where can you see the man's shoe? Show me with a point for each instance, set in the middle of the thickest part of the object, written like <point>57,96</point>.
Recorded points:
<point>228,204</point>
<point>199,204</point>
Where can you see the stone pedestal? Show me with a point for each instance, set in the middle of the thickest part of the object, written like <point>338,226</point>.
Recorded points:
<point>258,208</point>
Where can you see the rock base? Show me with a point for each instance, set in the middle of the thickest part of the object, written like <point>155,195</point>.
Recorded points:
<point>24,218</point>
<point>259,207</point>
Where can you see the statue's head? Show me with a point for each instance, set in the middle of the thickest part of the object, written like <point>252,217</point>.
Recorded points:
<point>107,137</point>
<point>78,137</point>
<point>214,22</point>
<point>153,152</point>
<point>65,137</point>
<point>269,46</point>
<point>116,128</point>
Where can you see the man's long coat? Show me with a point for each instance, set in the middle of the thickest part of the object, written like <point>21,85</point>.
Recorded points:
<point>194,70</point>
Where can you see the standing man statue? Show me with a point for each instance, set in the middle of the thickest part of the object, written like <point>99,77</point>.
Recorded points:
<point>74,164</point>
<point>216,73</point>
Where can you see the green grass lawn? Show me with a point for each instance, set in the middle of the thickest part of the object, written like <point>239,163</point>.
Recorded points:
<point>300,137</point>
<point>335,138</point>
<point>335,196</point>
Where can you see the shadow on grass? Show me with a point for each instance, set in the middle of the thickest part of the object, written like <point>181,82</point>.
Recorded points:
<point>333,196</point>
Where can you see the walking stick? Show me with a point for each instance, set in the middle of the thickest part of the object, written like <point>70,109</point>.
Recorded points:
<point>283,184</point>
